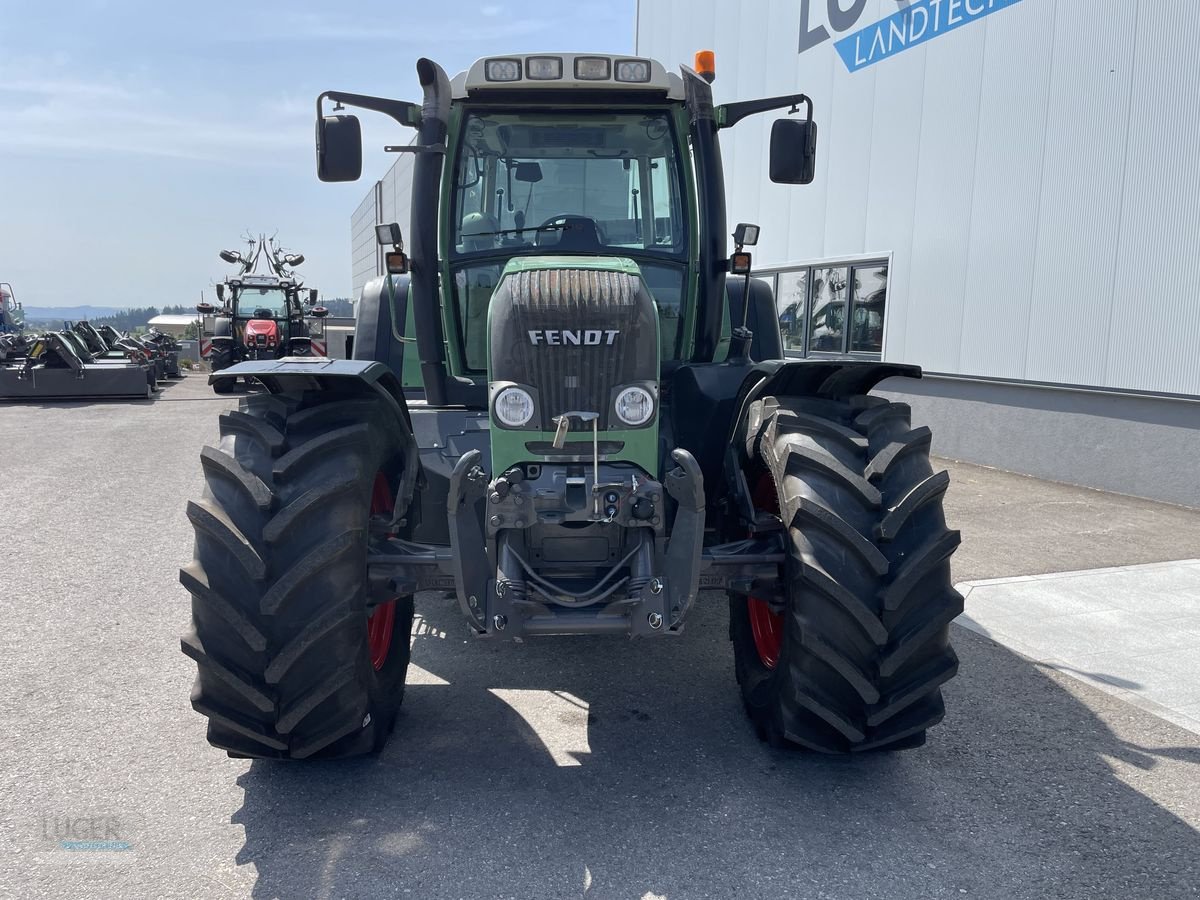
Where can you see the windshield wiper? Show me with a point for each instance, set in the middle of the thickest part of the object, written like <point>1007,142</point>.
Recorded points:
<point>563,227</point>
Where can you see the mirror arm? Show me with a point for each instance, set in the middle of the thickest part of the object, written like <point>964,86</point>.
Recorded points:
<point>416,148</point>
<point>401,110</point>
<point>730,114</point>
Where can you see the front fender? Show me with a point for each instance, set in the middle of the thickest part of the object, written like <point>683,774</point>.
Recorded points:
<point>715,398</point>
<point>295,374</point>
<point>319,373</point>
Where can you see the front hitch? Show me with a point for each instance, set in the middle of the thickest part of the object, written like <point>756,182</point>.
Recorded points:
<point>681,565</point>
<point>468,552</point>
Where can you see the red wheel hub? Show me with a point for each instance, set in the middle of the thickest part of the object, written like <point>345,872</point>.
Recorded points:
<point>765,624</point>
<point>767,627</point>
<point>382,622</point>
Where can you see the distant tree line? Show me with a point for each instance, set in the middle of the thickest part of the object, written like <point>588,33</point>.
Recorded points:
<point>138,319</point>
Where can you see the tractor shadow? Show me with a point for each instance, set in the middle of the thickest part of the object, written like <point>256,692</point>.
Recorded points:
<point>612,768</point>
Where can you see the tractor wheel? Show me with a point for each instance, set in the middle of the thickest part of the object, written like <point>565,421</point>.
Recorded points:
<point>849,649</point>
<point>223,361</point>
<point>292,662</point>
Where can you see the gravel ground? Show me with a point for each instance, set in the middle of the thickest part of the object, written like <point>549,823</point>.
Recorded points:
<point>589,767</point>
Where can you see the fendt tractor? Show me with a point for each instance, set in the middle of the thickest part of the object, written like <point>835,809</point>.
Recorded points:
<point>597,426</point>
<point>262,314</point>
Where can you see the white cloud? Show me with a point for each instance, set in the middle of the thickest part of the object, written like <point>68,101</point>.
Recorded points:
<point>88,90</point>
<point>73,117</point>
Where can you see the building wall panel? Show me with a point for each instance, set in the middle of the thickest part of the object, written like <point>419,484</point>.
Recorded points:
<point>1077,227</point>
<point>997,299</point>
<point>941,224</point>
<point>1154,337</point>
<point>1034,175</point>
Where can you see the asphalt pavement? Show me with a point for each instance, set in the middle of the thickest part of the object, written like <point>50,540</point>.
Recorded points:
<point>580,767</point>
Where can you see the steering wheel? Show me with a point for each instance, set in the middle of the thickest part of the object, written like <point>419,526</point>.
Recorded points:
<point>563,219</point>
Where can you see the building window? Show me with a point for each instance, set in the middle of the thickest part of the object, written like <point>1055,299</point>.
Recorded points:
<point>832,308</point>
<point>827,321</point>
<point>868,294</point>
<point>791,299</point>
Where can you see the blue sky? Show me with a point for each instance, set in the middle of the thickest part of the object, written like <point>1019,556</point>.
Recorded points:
<point>139,138</point>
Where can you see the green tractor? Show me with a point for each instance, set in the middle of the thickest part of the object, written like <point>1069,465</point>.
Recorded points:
<point>568,405</point>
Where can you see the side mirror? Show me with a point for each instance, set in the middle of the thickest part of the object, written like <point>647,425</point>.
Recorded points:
<point>318,312</point>
<point>339,148</point>
<point>312,296</point>
<point>221,292</point>
<point>293,259</point>
<point>231,256</point>
<point>205,309</point>
<point>793,151</point>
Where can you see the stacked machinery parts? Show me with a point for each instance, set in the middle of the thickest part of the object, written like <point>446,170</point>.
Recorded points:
<point>83,362</point>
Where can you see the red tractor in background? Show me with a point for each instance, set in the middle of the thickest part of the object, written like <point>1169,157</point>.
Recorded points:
<point>261,314</point>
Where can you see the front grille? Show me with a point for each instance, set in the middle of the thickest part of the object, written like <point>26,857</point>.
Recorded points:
<point>574,377</point>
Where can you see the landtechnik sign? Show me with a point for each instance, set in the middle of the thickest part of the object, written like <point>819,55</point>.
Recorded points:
<point>915,23</point>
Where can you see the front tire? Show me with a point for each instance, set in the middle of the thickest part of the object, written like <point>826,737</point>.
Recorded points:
<point>223,360</point>
<point>291,663</point>
<point>849,650</point>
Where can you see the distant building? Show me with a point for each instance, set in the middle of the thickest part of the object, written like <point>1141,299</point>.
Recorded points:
<point>169,324</point>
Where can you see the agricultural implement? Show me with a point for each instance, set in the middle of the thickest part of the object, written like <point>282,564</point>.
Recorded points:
<point>58,365</point>
<point>607,427</point>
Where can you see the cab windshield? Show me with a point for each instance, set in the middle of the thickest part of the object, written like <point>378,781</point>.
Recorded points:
<point>261,303</point>
<point>600,183</point>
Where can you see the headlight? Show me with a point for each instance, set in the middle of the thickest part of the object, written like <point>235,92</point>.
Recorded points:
<point>635,406</point>
<point>514,407</point>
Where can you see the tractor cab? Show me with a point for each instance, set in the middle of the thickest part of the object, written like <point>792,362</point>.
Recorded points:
<point>265,315</point>
<point>575,156</point>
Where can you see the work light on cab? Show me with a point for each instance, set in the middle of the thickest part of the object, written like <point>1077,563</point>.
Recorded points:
<point>636,71</point>
<point>593,68</point>
<point>544,68</point>
<point>502,70</point>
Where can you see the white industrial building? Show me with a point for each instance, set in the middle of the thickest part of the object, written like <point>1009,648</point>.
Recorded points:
<point>1007,194</point>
